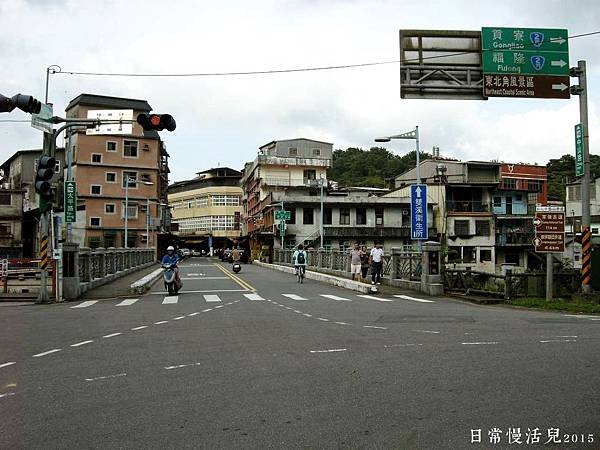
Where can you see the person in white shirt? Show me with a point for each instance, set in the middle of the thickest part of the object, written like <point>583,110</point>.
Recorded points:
<point>376,263</point>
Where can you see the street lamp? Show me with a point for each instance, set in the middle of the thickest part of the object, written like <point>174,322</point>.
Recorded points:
<point>132,181</point>
<point>414,134</point>
<point>148,217</point>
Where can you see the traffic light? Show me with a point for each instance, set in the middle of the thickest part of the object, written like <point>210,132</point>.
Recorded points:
<point>156,122</point>
<point>44,174</point>
<point>25,103</point>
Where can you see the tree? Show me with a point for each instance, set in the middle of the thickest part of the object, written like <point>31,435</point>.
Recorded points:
<point>562,170</point>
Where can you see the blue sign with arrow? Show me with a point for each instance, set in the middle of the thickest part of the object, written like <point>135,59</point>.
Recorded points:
<point>418,211</point>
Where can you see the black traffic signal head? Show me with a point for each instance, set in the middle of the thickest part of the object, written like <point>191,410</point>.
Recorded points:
<point>44,174</point>
<point>6,104</point>
<point>156,122</point>
<point>26,103</point>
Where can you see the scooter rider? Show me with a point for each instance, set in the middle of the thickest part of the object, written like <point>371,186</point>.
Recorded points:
<point>170,259</point>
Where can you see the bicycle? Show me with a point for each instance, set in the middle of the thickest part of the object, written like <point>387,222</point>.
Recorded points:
<point>300,273</point>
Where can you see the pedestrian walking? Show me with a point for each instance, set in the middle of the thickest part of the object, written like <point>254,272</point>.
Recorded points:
<point>355,263</point>
<point>364,263</point>
<point>376,263</point>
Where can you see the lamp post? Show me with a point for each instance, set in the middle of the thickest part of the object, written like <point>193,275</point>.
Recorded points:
<point>132,181</point>
<point>148,202</point>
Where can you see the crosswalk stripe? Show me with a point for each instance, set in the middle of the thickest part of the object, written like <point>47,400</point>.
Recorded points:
<point>335,297</point>
<point>376,298</point>
<point>85,304</point>
<point>253,297</point>
<point>212,298</point>
<point>408,297</point>
<point>170,299</point>
<point>128,302</point>
<point>293,296</point>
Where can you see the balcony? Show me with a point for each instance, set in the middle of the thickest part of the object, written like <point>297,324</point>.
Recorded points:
<point>463,206</point>
<point>369,232</point>
<point>284,181</point>
<point>519,238</point>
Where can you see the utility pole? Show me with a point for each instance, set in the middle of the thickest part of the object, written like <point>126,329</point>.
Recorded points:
<point>586,235</point>
<point>322,230</point>
<point>549,275</point>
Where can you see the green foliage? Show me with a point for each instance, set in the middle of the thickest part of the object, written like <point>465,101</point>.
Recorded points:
<point>557,304</point>
<point>375,167</point>
<point>564,167</point>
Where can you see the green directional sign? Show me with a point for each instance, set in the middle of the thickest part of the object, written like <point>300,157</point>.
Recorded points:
<point>527,39</point>
<point>283,215</point>
<point>70,201</point>
<point>579,150</point>
<point>525,63</point>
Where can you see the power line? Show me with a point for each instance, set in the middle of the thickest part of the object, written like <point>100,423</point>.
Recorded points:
<point>274,71</point>
<point>14,120</point>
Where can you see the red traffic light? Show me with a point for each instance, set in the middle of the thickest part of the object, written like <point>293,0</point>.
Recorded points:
<point>156,122</point>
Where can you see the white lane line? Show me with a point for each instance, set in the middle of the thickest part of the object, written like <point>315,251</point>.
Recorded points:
<point>139,328</point>
<point>479,343</point>
<point>371,326</point>
<point>79,344</point>
<point>111,335</point>
<point>594,319</point>
<point>400,345</point>
<point>298,312</point>
<point>376,298</point>
<point>293,296</point>
<point>207,310</point>
<point>200,291</point>
<point>253,297</point>
<point>307,315</point>
<point>48,352</point>
<point>10,363</point>
<point>230,303</point>
<point>217,307</point>
<point>330,350</point>
<point>567,336</point>
<point>85,304</point>
<point>342,323</point>
<point>179,318</point>
<point>288,307</point>
<point>160,322</point>
<point>106,377</point>
<point>335,297</point>
<point>323,319</point>
<point>128,302</point>
<point>212,298</point>
<point>580,316</point>
<point>193,314</point>
<point>181,365</point>
<point>430,331</point>
<point>8,394</point>
<point>558,340</point>
<point>170,299</point>
<point>414,299</point>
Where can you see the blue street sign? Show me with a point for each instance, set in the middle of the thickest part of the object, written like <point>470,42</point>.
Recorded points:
<point>418,211</point>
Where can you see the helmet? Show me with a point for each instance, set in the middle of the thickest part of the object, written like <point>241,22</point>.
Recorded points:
<point>170,248</point>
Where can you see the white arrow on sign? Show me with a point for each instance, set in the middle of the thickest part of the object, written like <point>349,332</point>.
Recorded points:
<point>537,221</point>
<point>537,242</point>
<point>558,40</point>
<point>559,63</point>
<point>418,191</point>
<point>559,87</point>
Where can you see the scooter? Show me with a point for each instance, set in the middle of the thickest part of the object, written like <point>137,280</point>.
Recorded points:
<point>169,278</point>
<point>236,267</point>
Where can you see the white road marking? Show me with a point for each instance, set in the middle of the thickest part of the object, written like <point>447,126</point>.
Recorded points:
<point>567,336</point>
<point>85,304</point>
<point>323,319</point>
<point>209,278</point>
<point>161,322</point>
<point>194,314</point>
<point>106,377</point>
<point>217,307</point>
<point>594,319</point>
<point>47,353</point>
<point>128,302</point>
<point>212,298</point>
<point>330,350</point>
<point>479,343</point>
<point>400,345</point>
<point>298,312</point>
<point>335,297</point>
<point>253,297</point>
<point>371,326</point>
<point>181,365</point>
<point>414,299</point>
<point>207,310</point>
<point>432,332</point>
<point>230,303</point>
<point>8,394</point>
<point>307,315</point>
<point>293,296</point>
<point>170,299</point>
<point>200,291</point>
<point>288,307</point>
<point>7,364</point>
<point>79,344</point>
<point>111,335</point>
<point>179,318</point>
<point>139,328</point>
<point>558,340</point>
<point>376,298</point>
<point>580,316</point>
<point>342,323</point>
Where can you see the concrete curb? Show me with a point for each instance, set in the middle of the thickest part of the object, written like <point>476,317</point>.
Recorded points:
<point>322,277</point>
<point>145,283</point>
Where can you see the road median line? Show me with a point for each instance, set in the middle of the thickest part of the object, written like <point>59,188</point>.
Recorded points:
<point>235,278</point>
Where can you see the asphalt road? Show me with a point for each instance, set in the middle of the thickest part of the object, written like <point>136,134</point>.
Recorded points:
<point>258,361</point>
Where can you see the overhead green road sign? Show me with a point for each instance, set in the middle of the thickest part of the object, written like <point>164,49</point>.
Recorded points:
<point>528,39</point>
<point>525,63</point>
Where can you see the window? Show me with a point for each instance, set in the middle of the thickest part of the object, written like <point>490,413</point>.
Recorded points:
<point>132,210</point>
<point>594,230</point>
<point>327,216</point>
<point>111,146</point>
<point>57,166</point>
<point>109,208</point>
<point>361,216</point>
<point>308,216</point>
<point>202,202</point>
<point>5,229</point>
<point>509,183</point>
<point>534,185</point>
<point>511,257</point>
<point>461,227</point>
<point>111,177</point>
<point>96,189</point>
<point>130,149</point>
<point>94,221</point>
<point>482,227</point>
<point>454,254</point>
<point>190,204</point>
<point>309,175</point>
<point>130,175</point>
<point>574,193</point>
<point>94,241</point>
<point>518,198</point>
<point>485,255</point>
<point>4,198</point>
<point>344,216</point>
<point>96,158</point>
<point>292,151</point>
<point>110,240</point>
<point>468,254</point>
<point>292,216</point>
<point>378,217</point>
<point>225,200</point>
<point>316,152</point>
<point>497,202</point>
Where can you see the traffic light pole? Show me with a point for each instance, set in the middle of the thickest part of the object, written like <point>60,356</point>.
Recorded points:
<point>44,247</point>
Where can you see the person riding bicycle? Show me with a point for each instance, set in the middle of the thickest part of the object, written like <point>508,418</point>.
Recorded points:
<point>299,259</point>
<point>170,259</point>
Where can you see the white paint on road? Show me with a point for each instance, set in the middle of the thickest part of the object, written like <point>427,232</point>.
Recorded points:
<point>372,326</point>
<point>212,298</point>
<point>170,299</point>
<point>128,302</point>
<point>566,336</point>
<point>161,322</point>
<point>200,291</point>
<point>430,331</point>
<point>293,296</point>
<point>194,314</point>
<point>558,340</point>
<point>253,297</point>
<point>307,315</point>
<point>105,377</point>
<point>85,304</point>
<point>8,394</point>
<point>207,310</point>
<point>323,319</point>
<point>342,323</point>
<point>111,335</point>
<point>6,364</point>
<point>217,307</point>
<point>400,345</point>
<point>181,365</point>
<point>335,297</point>
<point>414,299</point>
<point>48,352</point>
<point>479,343</point>
<point>79,344</point>
<point>376,298</point>
<point>179,318</point>
<point>298,312</point>
<point>330,350</point>
<point>580,316</point>
<point>139,328</point>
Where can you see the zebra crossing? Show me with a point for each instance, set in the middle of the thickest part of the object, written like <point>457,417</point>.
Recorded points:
<point>251,296</point>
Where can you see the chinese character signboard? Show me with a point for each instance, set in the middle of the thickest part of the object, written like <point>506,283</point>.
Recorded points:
<point>43,120</point>
<point>418,211</point>
<point>525,62</point>
<point>549,225</point>
<point>579,150</point>
<point>70,201</point>
<point>283,215</point>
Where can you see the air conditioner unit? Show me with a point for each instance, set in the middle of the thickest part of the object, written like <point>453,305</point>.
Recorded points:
<point>146,147</point>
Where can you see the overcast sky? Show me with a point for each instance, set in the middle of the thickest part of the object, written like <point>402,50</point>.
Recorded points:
<point>223,120</point>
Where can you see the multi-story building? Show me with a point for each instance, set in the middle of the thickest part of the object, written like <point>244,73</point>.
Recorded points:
<point>573,219</point>
<point>279,166</point>
<point>208,208</point>
<point>104,165</point>
<point>11,217</point>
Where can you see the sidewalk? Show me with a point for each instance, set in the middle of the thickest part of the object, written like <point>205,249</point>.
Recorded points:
<point>118,287</point>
